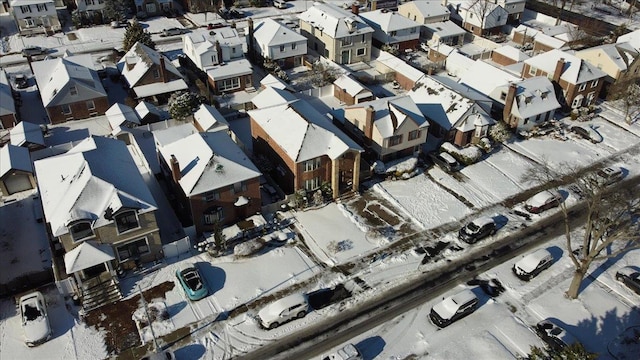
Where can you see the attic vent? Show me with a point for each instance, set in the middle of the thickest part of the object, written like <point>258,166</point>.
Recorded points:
<point>527,100</point>
<point>219,168</point>
<point>544,94</point>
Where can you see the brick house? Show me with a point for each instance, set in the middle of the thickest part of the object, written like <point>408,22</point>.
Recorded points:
<point>307,150</point>
<point>16,170</point>
<point>350,91</point>
<point>70,88</point>
<point>8,113</point>
<point>392,29</point>
<point>508,55</point>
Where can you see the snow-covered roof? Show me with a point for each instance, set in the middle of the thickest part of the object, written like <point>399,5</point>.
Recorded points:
<point>55,78</point>
<point>620,54</point>
<point>18,3</point>
<point>474,120</point>
<point>575,71</point>
<point>400,66</point>
<point>388,21</point>
<point>172,134</point>
<point>95,175</point>
<point>269,32</point>
<point>148,90</point>
<point>87,255</point>
<point>272,81</point>
<point>428,8</point>
<point>632,38</point>
<point>351,86</point>
<point>145,108</point>
<point>230,69</point>
<point>121,114</point>
<point>26,132</point>
<point>14,158</point>
<point>550,41</point>
<point>392,112</point>
<point>270,96</point>
<point>534,96</point>
<point>208,161</point>
<point>7,104</point>
<point>512,53</point>
<point>444,29</point>
<point>302,132</point>
<point>485,78</point>
<point>210,118</point>
<point>143,57</point>
<point>334,21</point>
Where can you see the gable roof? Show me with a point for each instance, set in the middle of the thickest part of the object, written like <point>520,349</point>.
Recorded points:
<point>143,57</point>
<point>399,66</point>
<point>120,114</point>
<point>307,134</point>
<point>388,21</point>
<point>534,96</point>
<point>55,78</point>
<point>94,179</point>
<point>270,96</point>
<point>26,132</point>
<point>575,70</point>
<point>145,108</point>
<point>269,32</point>
<point>428,8</point>
<point>485,77</point>
<point>334,21</point>
<point>512,53</point>
<point>209,161</point>
<point>445,28</point>
<point>87,255</point>
<point>14,158</point>
<point>393,112</point>
<point>619,54</point>
<point>272,81</point>
<point>7,104</point>
<point>204,40</point>
<point>352,86</point>
<point>632,38</point>
<point>210,118</point>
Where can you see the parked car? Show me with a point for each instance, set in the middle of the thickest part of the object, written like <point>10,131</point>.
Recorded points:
<point>609,176</point>
<point>348,352</point>
<point>172,32</point>
<point>587,133</point>
<point>237,14</point>
<point>553,334</point>
<point>162,355</point>
<point>453,308</point>
<point>118,24</point>
<point>477,229</point>
<point>192,282</point>
<point>35,320</point>
<point>215,25</point>
<point>630,277</point>
<point>225,13</point>
<point>445,161</point>
<point>288,308</point>
<point>21,81</point>
<point>531,265</point>
<point>34,50</point>
<point>280,4</point>
<point>542,201</point>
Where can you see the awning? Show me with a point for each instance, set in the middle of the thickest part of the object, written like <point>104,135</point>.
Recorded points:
<point>242,201</point>
<point>86,256</point>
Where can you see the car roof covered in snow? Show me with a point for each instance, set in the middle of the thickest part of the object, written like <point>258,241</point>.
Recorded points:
<point>482,221</point>
<point>531,261</point>
<point>627,270</point>
<point>447,307</point>
<point>541,198</point>
<point>273,310</point>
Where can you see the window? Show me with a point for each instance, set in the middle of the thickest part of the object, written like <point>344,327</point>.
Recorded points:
<point>582,86</point>
<point>126,221</point>
<point>312,184</point>
<point>133,249</point>
<point>594,83</point>
<point>210,196</point>
<point>532,71</point>
<point>293,46</point>
<point>73,90</point>
<point>213,215</point>
<point>577,101</point>
<point>66,109</point>
<point>503,95</point>
<point>361,51</point>
<point>239,187</point>
<point>395,140</point>
<point>156,73</point>
<point>229,84</point>
<point>392,33</point>
<point>80,230</point>
<point>590,97</point>
<point>29,22</point>
<point>25,9</point>
<point>233,50</point>
<point>347,41</point>
<point>498,18</point>
<point>481,131</point>
<point>312,164</point>
<point>356,123</point>
<point>363,39</point>
<point>281,48</point>
<point>91,105</point>
<point>415,134</point>
<point>413,30</point>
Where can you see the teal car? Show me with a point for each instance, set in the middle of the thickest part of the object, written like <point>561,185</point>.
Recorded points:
<point>192,282</point>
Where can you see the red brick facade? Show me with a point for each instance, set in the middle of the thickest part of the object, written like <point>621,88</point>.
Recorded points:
<point>79,110</point>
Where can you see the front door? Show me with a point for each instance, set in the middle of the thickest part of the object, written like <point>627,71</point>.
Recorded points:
<point>346,57</point>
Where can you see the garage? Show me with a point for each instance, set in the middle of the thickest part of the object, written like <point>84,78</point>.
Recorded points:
<point>17,182</point>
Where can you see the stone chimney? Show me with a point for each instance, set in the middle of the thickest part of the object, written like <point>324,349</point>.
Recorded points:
<point>250,43</point>
<point>508,103</point>
<point>163,70</point>
<point>355,8</point>
<point>368,122</point>
<point>175,169</point>
<point>558,71</point>
<point>219,52</point>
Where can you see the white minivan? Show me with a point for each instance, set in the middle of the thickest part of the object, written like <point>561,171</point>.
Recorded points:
<point>280,4</point>
<point>286,309</point>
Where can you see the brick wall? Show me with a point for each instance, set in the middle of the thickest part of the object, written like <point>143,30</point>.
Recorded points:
<point>78,110</point>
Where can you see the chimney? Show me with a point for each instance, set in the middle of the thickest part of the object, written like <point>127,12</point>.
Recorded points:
<point>163,70</point>
<point>558,72</point>
<point>175,169</point>
<point>219,51</point>
<point>355,9</point>
<point>130,61</point>
<point>508,103</point>
<point>368,122</point>
<point>250,44</point>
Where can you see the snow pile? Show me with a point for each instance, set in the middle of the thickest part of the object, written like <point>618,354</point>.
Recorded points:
<point>248,247</point>
<point>403,166</point>
<point>354,218</point>
<point>468,155</point>
<point>160,320</point>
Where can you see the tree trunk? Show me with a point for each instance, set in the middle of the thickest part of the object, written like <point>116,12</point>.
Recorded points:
<point>574,288</point>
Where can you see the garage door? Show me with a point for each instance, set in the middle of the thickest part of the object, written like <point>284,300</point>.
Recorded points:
<point>16,183</point>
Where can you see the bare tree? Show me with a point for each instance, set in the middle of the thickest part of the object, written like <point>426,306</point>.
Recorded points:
<point>631,101</point>
<point>611,225</point>
<point>481,9</point>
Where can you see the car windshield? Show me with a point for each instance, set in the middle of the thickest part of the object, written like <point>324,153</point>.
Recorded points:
<point>473,227</point>
<point>31,312</point>
<point>192,279</point>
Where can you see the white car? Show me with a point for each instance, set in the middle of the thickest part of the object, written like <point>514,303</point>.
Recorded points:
<point>532,264</point>
<point>348,352</point>
<point>286,309</point>
<point>35,321</point>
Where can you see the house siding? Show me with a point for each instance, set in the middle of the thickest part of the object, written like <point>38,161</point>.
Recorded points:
<point>570,90</point>
<point>8,121</point>
<point>501,59</point>
<point>78,110</point>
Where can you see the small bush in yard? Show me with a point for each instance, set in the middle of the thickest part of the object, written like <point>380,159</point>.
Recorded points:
<point>499,132</point>
<point>467,156</point>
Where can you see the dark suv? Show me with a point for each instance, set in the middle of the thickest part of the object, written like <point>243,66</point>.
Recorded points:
<point>453,308</point>
<point>477,229</point>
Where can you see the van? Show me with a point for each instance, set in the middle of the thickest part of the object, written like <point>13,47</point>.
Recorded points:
<point>445,161</point>
<point>609,176</point>
<point>531,265</point>
<point>286,309</point>
<point>280,4</point>
<point>348,352</point>
<point>453,308</point>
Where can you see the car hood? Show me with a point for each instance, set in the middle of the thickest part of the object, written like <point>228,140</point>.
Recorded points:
<point>446,308</point>
<point>627,271</point>
<point>37,329</point>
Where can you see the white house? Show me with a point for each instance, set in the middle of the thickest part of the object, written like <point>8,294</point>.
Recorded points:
<point>528,103</point>
<point>35,16</point>
<point>90,6</point>
<point>478,17</point>
<point>274,41</point>
<point>392,29</point>
<point>424,12</point>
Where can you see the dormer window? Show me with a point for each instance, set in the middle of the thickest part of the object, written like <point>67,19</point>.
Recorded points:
<point>127,220</point>
<point>80,230</point>
<point>73,90</point>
